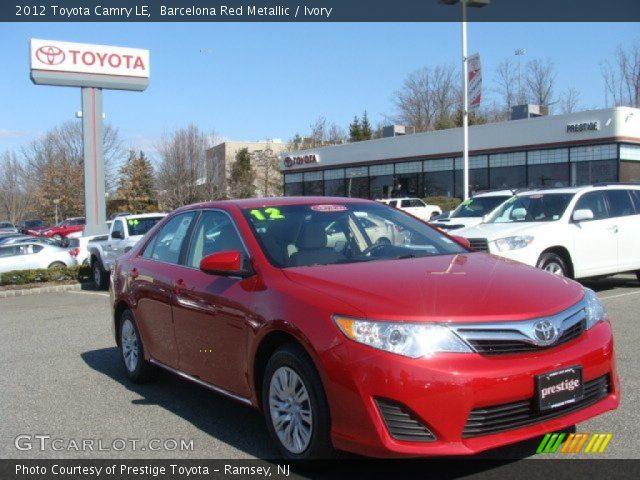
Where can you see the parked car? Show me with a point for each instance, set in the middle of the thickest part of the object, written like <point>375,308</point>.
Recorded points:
<point>8,227</point>
<point>473,210</point>
<point>32,227</point>
<point>6,237</point>
<point>124,233</point>
<point>574,232</point>
<point>25,256</point>
<point>414,206</point>
<point>410,348</point>
<point>64,228</point>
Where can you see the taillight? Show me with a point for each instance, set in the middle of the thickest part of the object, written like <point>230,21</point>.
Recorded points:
<point>74,252</point>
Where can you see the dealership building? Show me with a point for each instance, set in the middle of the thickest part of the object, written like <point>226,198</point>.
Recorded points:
<point>546,151</point>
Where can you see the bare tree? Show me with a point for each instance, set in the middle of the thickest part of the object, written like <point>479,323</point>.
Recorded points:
<point>540,80</point>
<point>506,79</point>
<point>427,97</point>
<point>182,173</point>
<point>55,167</point>
<point>622,78</point>
<point>15,196</point>
<point>569,100</point>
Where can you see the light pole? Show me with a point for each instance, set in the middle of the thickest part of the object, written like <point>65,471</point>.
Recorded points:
<point>55,203</point>
<point>519,53</point>
<point>465,89</point>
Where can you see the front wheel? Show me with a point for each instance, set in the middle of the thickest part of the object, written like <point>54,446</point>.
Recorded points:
<point>100,276</point>
<point>131,350</point>
<point>295,406</point>
<point>553,263</point>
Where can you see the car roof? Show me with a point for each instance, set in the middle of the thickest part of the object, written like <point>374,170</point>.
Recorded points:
<point>276,202</point>
<point>584,188</point>
<point>495,193</point>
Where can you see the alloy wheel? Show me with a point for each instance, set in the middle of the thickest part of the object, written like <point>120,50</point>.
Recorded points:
<point>130,345</point>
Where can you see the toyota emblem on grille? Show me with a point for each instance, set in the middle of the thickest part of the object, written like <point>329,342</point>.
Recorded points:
<point>545,332</point>
<point>50,55</point>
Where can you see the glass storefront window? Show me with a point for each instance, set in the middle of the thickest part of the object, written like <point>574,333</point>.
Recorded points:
<point>549,175</point>
<point>381,182</point>
<point>293,185</point>
<point>334,182</point>
<point>357,182</point>
<point>585,173</point>
<point>313,184</point>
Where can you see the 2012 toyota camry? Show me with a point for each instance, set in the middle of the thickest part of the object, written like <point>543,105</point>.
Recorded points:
<point>355,326</point>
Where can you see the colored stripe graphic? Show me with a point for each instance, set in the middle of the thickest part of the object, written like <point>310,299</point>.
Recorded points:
<point>597,443</point>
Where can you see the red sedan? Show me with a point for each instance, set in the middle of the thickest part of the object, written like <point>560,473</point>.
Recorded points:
<point>64,228</point>
<point>403,345</point>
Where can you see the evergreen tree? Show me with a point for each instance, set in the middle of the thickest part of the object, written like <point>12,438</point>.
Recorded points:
<point>355,130</point>
<point>365,128</point>
<point>136,184</point>
<point>242,177</point>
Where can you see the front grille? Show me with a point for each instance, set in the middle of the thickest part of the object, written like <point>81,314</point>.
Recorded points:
<point>488,420</point>
<point>505,347</point>
<point>479,244</point>
<point>401,423</point>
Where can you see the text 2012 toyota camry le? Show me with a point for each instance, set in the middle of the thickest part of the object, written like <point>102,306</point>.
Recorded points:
<point>355,326</point>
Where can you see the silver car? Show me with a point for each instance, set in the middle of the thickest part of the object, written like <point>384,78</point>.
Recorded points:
<point>26,256</point>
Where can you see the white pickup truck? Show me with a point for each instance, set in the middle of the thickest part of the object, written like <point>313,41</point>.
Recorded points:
<point>125,232</point>
<point>414,206</point>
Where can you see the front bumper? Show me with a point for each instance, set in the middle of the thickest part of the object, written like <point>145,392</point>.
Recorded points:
<point>442,391</point>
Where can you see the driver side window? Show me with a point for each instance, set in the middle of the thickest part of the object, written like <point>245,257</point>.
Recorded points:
<point>594,201</point>
<point>215,232</point>
<point>167,244</point>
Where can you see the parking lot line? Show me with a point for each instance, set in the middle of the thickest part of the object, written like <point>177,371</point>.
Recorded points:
<point>102,294</point>
<point>620,295</point>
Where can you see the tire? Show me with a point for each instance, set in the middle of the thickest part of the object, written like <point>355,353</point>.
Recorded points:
<point>57,265</point>
<point>99,275</point>
<point>553,263</point>
<point>312,440</point>
<point>132,351</point>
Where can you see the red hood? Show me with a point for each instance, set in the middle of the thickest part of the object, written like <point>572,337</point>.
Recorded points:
<point>470,287</point>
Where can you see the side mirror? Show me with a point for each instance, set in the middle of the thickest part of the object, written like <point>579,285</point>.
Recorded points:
<point>117,234</point>
<point>462,241</point>
<point>228,263</point>
<point>582,214</point>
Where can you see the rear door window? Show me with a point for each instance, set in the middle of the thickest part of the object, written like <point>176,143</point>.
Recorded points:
<point>620,204</point>
<point>166,246</point>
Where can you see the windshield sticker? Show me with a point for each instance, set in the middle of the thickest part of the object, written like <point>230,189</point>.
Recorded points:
<point>467,202</point>
<point>270,213</point>
<point>538,196</point>
<point>328,208</point>
<point>133,222</point>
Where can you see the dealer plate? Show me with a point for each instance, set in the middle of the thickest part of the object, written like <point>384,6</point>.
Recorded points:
<point>559,388</point>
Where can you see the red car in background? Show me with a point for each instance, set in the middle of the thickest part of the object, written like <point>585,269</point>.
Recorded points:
<point>32,227</point>
<point>64,228</point>
<point>411,345</point>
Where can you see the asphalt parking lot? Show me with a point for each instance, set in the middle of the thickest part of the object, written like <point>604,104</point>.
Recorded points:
<point>61,376</point>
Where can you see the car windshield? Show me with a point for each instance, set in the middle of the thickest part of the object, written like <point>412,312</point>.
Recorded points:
<point>324,234</point>
<point>33,223</point>
<point>478,206</point>
<point>537,207</point>
<point>140,226</point>
<point>6,225</point>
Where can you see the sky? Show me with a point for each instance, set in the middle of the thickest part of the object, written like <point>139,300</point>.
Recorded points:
<point>271,80</point>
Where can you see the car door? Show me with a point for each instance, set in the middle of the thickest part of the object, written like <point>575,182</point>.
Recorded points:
<point>153,278</point>
<point>12,258</point>
<point>595,242</point>
<point>113,245</point>
<point>210,311</point>
<point>627,225</point>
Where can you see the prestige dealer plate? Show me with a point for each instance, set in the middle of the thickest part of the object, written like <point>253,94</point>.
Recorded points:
<point>559,388</point>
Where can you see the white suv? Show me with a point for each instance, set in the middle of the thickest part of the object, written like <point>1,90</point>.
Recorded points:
<point>472,211</point>
<point>577,232</point>
<point>414,206</point>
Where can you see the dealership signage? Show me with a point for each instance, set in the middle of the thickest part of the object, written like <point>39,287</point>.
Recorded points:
<point>583,127</point>
<point>301,160</point>
<point>475,82</point>
<point>85,65</point>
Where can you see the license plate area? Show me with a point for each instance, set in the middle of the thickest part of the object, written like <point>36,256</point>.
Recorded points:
<point>559,388</point>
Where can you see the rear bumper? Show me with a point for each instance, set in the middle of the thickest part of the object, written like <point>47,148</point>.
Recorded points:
<point>442,391</point>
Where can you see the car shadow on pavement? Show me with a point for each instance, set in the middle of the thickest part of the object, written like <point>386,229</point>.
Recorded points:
<point>626,281</point>
<point>230,422</point>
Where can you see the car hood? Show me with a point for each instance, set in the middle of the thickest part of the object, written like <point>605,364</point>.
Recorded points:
<point>469,287</point>
<point>457,223</point>
<point>493,231</point>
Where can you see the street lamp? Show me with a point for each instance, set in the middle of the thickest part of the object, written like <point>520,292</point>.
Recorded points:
<point>519,53</point>
<point>465,88</point>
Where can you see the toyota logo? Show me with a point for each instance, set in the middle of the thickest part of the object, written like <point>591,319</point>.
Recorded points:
<point>50,55</point>
<point>545,332</point>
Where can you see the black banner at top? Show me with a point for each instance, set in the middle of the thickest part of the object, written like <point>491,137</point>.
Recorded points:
<point>318,11</point>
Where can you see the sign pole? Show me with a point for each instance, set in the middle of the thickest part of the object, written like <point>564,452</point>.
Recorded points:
<point>94,179</point>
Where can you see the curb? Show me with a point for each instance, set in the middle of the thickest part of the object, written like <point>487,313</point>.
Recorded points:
<point>39,290</point>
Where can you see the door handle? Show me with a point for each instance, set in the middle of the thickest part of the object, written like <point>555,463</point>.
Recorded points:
<point>179,286</point>
<point>134,273</point>
<point>614,229</point>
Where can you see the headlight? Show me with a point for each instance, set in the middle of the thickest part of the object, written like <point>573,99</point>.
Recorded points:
<point>513,243</point>
<point>594,308</point>
<point>408,339</point>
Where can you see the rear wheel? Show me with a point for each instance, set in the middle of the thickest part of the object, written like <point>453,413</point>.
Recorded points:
<point>295,406</point>
<point>57,265</point>
<point>100,276</point>
<point>131,350</point>
<point>553,263</point>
